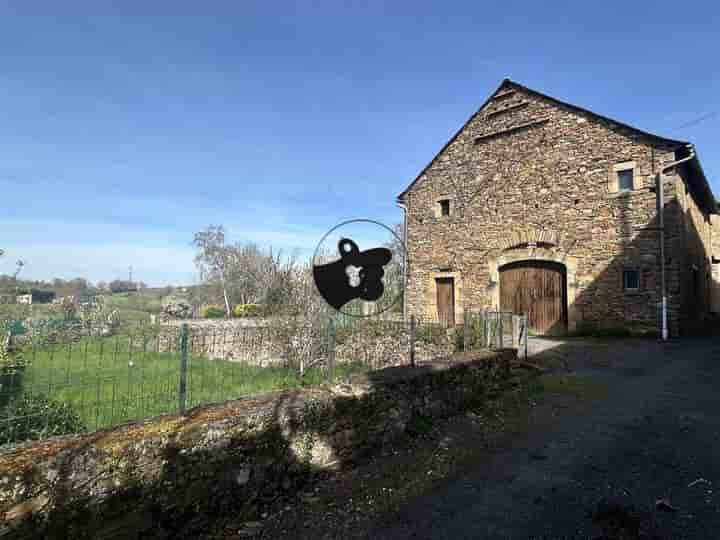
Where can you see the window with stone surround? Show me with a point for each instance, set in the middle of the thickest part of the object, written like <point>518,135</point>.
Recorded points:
<point>631,279</point>
<point>443,206</point>
<point>623,178</point>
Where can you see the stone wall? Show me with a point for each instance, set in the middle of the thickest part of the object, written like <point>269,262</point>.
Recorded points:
<point>715,282</point>
<point>239,340</point>
<point>374,343</point>
<point>530,178</point>
<point>233,457</point>
<point>696,267</point>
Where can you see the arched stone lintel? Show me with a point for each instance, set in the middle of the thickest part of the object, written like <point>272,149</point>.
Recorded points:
<point>529,235</point>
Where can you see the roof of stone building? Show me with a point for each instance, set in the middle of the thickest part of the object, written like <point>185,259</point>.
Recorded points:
<point>700,183</point>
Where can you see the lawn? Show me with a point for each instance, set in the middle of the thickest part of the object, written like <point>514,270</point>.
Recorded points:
<point>109,381</point>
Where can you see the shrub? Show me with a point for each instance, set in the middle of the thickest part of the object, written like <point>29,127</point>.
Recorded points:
<point>247,310</point>
<point>430,334</point>
<point>342,334</point>
<point>37,417</point>
<point>459,339</point>
<point>213,312</point>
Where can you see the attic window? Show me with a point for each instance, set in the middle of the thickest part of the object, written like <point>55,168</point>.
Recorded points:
<point>444,207</point>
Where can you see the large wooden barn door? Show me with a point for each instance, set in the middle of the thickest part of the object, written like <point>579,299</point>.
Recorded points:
<point>537,288</point>
<point>446,300</point>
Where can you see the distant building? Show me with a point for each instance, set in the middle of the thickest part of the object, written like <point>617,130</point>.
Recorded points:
<point>36,296</point>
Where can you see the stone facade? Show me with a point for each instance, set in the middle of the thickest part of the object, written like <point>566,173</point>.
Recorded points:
<point>531,178</point>
<point>715,280</point>
<point>141,479</point>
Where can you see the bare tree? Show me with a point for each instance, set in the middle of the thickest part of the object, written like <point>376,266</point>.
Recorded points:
<point>212,258</point>
<point>245,273</point>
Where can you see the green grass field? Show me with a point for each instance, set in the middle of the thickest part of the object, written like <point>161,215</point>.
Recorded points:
<point>131,307</point>
<point>109,381</point>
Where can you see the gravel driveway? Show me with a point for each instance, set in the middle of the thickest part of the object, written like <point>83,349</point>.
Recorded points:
<point>655,436</point>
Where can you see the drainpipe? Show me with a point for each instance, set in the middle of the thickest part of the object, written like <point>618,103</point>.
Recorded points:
<point>661,213</point>
<point>404,241</point>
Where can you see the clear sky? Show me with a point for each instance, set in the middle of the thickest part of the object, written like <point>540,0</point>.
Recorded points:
<point>127,126</point>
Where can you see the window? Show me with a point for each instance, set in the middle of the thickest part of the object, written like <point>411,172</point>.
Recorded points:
<point>625,180</point>
<point>631,279</point>
<point>622,179</point>
<point>445,207</point>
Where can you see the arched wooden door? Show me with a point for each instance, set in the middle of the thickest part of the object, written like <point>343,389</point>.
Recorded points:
<point>538,288</point>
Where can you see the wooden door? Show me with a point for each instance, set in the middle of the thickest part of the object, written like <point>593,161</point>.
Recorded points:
<point>446,300</point>
<point>537,288</point>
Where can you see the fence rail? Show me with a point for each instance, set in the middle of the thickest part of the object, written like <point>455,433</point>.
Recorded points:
<point>57,379</point>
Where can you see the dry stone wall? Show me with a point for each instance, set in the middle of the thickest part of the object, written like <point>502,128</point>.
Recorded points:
<point>142,478</point>
<point>376,344</point>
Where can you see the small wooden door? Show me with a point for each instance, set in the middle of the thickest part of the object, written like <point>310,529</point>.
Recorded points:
<point>537,288</point>
<point>446,300</point>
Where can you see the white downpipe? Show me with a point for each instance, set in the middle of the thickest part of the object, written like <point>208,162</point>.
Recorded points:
<point>661,210</point>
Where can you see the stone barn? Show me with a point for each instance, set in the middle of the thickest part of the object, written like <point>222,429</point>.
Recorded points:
<point>543,207</point>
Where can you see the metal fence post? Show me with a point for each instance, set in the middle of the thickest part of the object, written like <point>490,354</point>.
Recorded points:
<point>412,340</point>
<point>486,337</point>
<point>183,367</point>
<point>466,337</point>
<point>331,352</point>
<point>501,333</point>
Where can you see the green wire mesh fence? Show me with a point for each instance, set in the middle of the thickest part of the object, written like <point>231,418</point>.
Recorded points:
<point>71,379</point>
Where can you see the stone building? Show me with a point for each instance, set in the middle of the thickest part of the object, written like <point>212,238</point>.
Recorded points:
<point>715,294</point>
<point>540,206</point>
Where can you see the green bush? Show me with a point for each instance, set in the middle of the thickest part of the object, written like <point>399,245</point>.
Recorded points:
<point>342,333</point>
<point>430,334</point>
<point>247,310</point>
<point>213,312</point>
<point>37,417</point>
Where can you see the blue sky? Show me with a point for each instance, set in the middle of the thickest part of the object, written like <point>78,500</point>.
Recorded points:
<point>127,126</point>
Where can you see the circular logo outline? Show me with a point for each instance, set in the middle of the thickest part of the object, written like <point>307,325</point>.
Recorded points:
<point>404,264</point>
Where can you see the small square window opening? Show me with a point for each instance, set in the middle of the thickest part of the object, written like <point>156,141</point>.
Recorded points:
<point>631,280</point>
<point>625,180</point>
<point>445,207</point>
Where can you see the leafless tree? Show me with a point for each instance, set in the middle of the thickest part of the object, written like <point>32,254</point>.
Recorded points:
<point>244,272</point>
<point>212,258</point>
